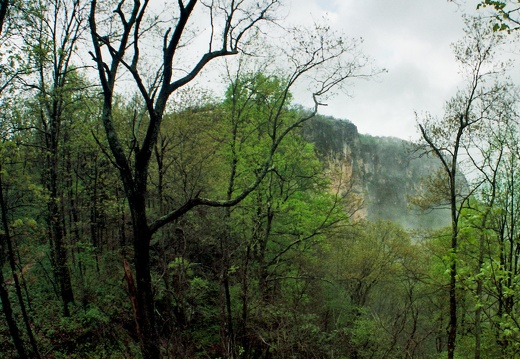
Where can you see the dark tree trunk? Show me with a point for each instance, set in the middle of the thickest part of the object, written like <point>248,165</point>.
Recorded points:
<point>11,323</point>
<point>452,324</point>
<point>145,299</point>
<point>262,265</point>
<point>6,241</point>
<point>59,252</point>
<point>4,4</point>
<point>51,180</point>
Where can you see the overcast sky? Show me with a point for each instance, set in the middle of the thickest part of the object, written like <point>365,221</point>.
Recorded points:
<point>409,38</point>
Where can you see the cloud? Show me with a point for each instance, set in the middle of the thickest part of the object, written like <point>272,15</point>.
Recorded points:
<point>412,40</point>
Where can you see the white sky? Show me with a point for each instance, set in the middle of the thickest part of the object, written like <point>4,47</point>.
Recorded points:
<point>409,38</point>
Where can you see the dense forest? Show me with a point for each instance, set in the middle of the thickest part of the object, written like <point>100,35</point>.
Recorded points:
<point>146,214</point>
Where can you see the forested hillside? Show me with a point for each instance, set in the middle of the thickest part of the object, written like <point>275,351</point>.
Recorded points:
<point>144,215</point>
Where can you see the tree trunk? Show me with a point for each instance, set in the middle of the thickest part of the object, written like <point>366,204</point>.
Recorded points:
<point>145,300</point>
<point>59,256</point>
<point>4,294</point>
<point>480,282</point>
<point>11,323</point>
<point>54,218</point>
<point>6,241</point>
<point>478,311</point>
<point>227,331</point>
<point>452,325</point>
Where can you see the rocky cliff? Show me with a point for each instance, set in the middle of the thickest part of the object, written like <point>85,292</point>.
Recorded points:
<point>384,171</point>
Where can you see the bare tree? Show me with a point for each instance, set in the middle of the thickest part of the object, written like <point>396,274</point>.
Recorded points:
<point>449,138</point>
<point>55,30</point>
<point>120,40</point>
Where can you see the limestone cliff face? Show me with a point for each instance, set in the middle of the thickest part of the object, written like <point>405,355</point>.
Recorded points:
<point>383,170</point>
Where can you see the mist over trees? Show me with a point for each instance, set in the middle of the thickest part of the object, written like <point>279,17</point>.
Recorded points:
<point>144,215</point>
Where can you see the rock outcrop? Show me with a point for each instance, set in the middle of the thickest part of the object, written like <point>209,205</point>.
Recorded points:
<point>384,171</point>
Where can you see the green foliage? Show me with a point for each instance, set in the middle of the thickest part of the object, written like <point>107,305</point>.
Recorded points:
<point>284,274</point>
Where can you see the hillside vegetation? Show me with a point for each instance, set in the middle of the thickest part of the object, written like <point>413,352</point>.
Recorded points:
<point>144,216</point>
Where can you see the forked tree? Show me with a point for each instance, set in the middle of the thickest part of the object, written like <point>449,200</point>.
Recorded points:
<point>124,38</point>
<point>449,139</point>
